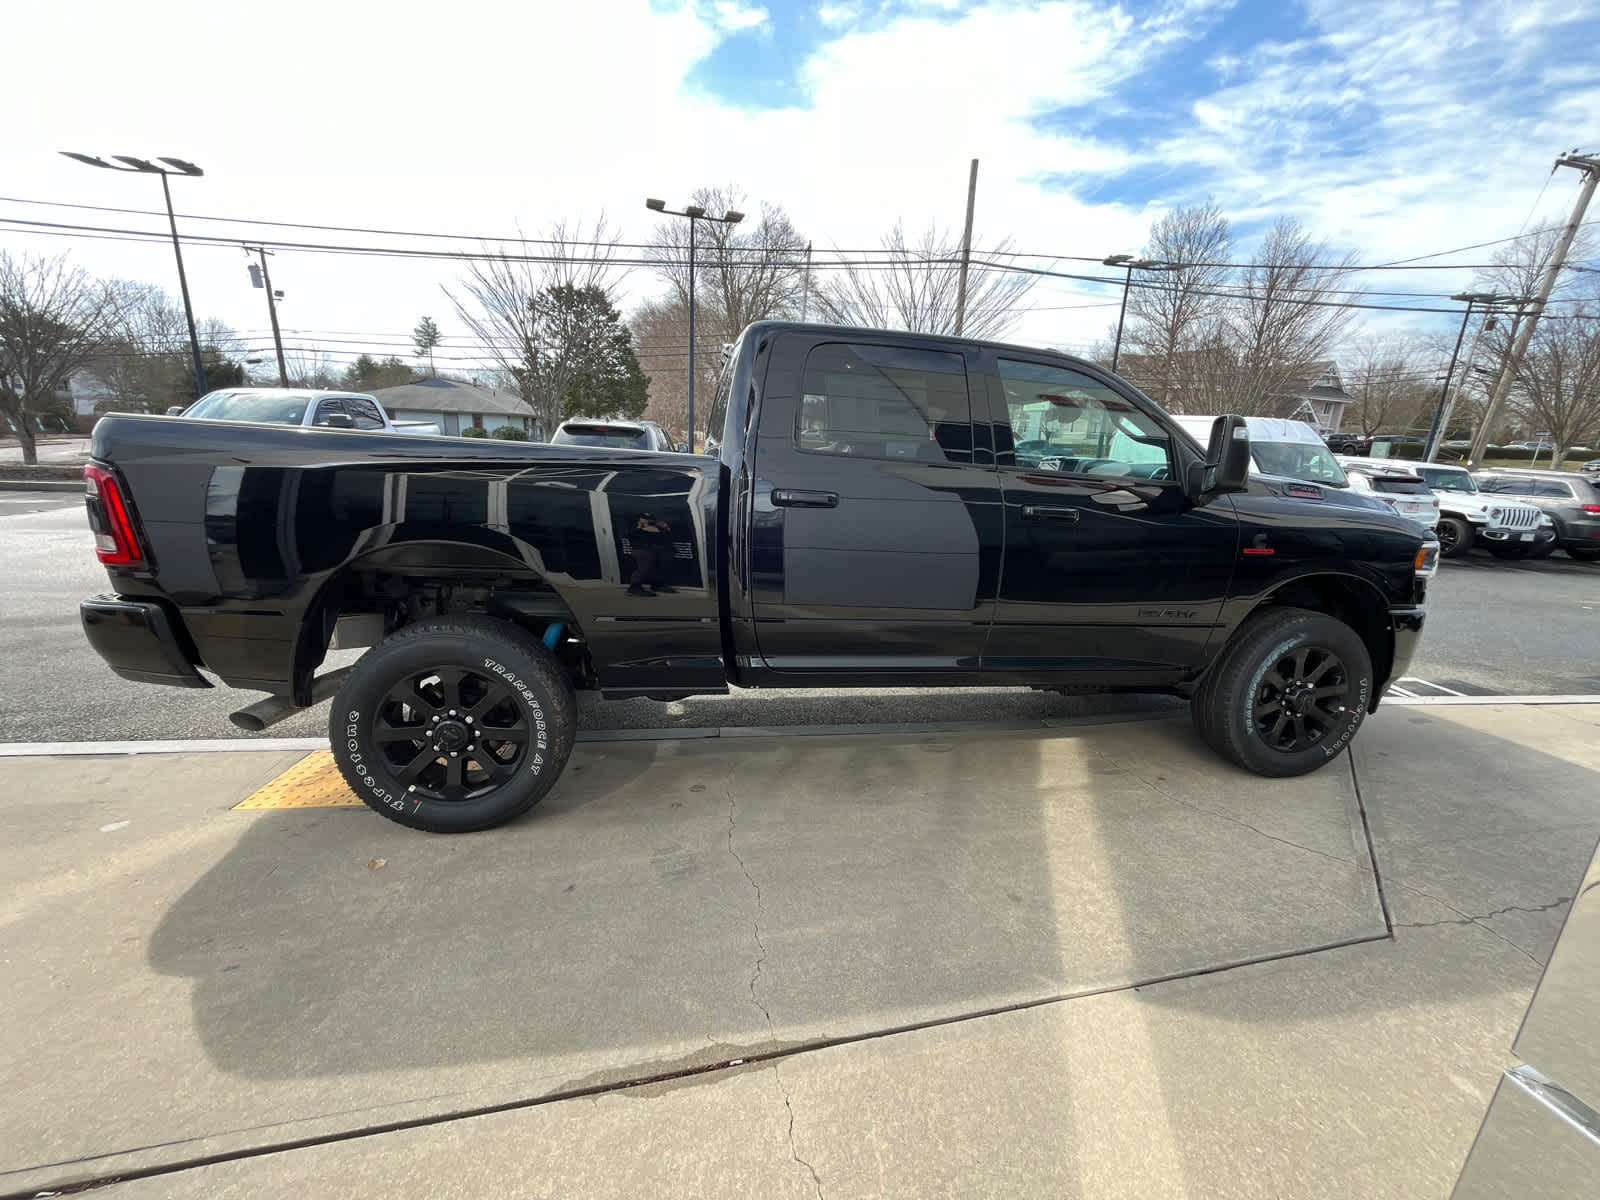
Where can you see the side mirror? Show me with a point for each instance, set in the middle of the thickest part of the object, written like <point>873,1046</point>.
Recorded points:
<point>1227,465</point>
<point>175,411</point>
<point>682,447</point>
<point>339,420</point>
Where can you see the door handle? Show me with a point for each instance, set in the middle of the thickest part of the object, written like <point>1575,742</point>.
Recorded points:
<point>791,498</point>
<point>1049,512</point>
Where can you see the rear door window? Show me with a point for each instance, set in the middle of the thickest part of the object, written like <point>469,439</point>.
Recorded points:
<point>364,412</point>
<point>870,401</point>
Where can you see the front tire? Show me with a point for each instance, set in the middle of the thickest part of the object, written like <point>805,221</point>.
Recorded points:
<point>1455,537</point>
<point>454,725</point>
<point>1287,693</point>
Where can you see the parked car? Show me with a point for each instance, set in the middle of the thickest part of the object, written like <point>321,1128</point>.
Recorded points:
<point>1395,445</point>
<point>1396,485</point>
<point>614,435</point>
<point>1507,528</point>
<point>1592,467</point>
<point>298,406</point>
<point>860,518</point>
<point>1570,499</point>
<point>1348,443</point>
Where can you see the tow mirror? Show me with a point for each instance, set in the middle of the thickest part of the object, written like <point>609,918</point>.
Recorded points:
<point>175,411</point>
<point>1227,465</point>
<point>338,420</point>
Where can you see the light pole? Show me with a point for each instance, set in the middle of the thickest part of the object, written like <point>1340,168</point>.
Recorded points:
<point>695,213</point>
<point>1131,264</point>
<point>175,166</point>
<point>1441,414</point>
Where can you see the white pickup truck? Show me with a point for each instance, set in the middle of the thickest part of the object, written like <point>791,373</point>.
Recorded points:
<point>299,406</point>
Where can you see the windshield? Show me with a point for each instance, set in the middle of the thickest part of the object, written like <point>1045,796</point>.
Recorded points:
<point>247,406</point>
<point>1448,479</point>
<point>1298,460</point>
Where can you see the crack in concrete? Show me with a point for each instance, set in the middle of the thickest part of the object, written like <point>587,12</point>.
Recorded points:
<point>755,978</point>
<point>1478,920</point>
<point>1211,812</point>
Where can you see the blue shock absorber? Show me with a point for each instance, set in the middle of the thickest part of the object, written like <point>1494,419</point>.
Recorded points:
<point>552,635</point>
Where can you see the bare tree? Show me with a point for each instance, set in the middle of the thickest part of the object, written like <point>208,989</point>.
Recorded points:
<point>661,334</point>
<point>1288,317</point>
<point>743,273</point>
<point>1518,269</point>
<point>142,363</point>
<point>1558,387</point>
<point>499,302</point>
<point>914,286</point>
<point>1175,309</point>
<point>1387,382</point>
<point>53,319</point>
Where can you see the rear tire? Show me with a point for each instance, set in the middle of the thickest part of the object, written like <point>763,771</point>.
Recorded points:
<point>1287,693</point>
<point>454,725</point>
<point>1455,537</point>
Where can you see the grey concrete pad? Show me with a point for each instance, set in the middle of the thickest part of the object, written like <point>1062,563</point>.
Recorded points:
<point>1358,1072</point>
<point>1488,814</point>
<point>278,976</point>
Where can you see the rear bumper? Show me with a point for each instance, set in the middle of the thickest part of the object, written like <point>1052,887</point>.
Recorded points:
<point>137,640</point>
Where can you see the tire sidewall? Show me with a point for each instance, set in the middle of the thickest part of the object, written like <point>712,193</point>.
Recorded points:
<point>354,715</point>
<point>1329,634</point>
<point>1463,539</point>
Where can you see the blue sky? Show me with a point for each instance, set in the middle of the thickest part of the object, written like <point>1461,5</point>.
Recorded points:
<point>1392,128</point>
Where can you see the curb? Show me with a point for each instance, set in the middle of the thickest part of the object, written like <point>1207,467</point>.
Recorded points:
<point>41,485</point>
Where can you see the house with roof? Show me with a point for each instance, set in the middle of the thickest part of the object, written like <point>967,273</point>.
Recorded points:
<point>454,405</point>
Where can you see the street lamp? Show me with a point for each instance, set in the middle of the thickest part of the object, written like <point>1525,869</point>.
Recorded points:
<point>175,166</point>
<point>1447,402</point>
<point>1131,264</point>
<point>695,213</point>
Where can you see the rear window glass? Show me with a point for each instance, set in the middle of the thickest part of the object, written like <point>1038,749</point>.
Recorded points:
<point>1403,487</point>
<point>241,406</point>
<point>619,437</point>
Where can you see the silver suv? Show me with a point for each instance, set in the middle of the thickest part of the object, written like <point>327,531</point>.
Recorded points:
<point>1468,517</point>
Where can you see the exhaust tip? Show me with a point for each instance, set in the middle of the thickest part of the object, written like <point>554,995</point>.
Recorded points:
<point>247,721</point>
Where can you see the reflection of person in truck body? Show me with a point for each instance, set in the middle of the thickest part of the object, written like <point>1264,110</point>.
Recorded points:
<point>651,540</point>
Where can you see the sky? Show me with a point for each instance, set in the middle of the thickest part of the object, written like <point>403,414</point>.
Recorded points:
<point>1395,129</point>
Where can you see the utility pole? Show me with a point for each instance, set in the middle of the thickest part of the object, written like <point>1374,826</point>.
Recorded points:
<point>1447,400</point>
<point>261,277</point>
<point>966,249</point>
<point>1590,166</point>
<point>805,285</point>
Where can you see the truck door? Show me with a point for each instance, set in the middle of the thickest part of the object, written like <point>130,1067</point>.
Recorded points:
<point>1109,573</point>
<point>876,529</point>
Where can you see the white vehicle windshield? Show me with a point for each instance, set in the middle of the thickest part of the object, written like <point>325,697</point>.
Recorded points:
<point>1298,460</point>
<point>243,406</point>
<point>1447,479</point>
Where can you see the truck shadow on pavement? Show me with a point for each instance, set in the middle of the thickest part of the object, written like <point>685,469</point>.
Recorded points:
<point>670,900</point>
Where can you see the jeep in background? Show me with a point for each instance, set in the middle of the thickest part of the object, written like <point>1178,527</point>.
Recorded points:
<point>1468,517</point>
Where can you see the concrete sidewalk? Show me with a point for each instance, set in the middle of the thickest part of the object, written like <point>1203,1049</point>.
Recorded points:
<point>1089,961</point>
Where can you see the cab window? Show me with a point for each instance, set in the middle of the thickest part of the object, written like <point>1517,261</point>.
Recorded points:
<point>874,401</point>
<point>1064,421</point>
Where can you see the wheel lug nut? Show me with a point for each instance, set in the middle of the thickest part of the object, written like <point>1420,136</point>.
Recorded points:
<point>469,720</point>
<point>453,754</point>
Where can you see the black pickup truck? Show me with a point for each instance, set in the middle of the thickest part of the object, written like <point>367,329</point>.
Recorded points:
<point>872,509</point>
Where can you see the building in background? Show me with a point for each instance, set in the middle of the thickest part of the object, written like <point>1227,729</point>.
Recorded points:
<point>454,406</point>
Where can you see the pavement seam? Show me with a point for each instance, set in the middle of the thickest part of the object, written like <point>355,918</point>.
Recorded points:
<point>1372,844</point>
<point>755,978</point>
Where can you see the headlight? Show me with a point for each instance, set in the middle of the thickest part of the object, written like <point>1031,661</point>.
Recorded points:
<point>1546,519</point>
<point>1494,514</point>
<point>1427,561</point>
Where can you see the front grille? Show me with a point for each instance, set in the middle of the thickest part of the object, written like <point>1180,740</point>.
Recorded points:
<point>1522,516</point>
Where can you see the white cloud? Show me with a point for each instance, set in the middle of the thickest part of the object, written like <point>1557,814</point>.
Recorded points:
<point>473,123</point>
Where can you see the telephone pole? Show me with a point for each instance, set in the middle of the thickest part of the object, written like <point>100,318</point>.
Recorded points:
<point>265,280</point>
<point>1590,166</point>
<point>966,249</point>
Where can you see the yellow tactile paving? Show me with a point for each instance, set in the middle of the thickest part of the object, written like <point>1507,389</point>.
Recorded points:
<point>313,782</point>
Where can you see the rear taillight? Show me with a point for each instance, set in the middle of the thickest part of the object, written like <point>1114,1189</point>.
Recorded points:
<point>1591,508</point>
<point>115,542</point>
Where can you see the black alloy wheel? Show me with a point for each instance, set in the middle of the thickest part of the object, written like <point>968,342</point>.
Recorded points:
<point>1455,537</point>
<point>454,724</point>
<point>1302,698</point>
